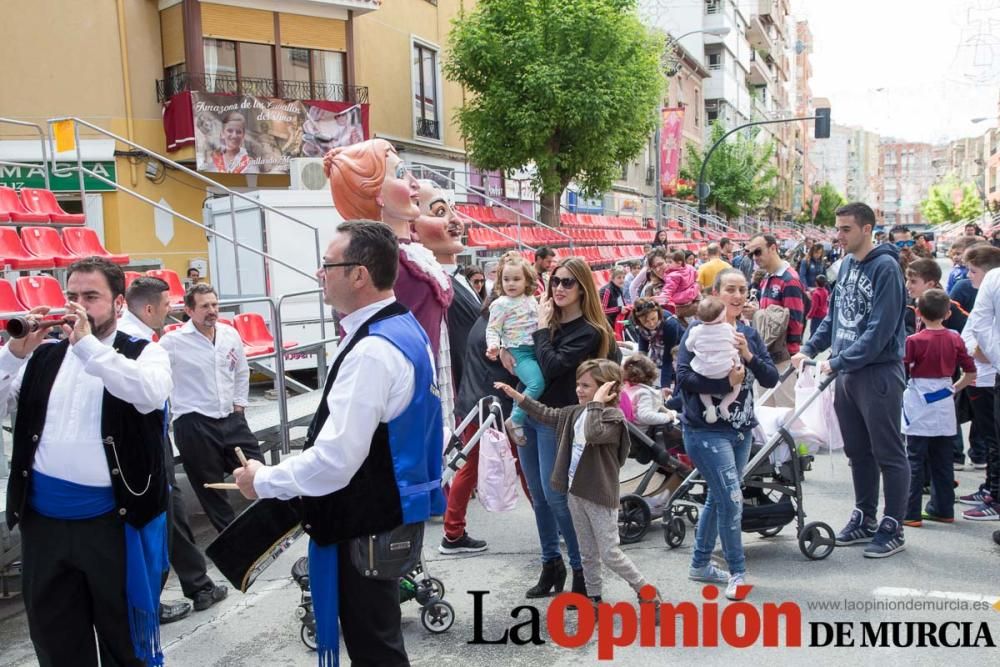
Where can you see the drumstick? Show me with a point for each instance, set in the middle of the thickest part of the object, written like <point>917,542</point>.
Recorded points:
<point>221,485</point>
<point>239,455</point>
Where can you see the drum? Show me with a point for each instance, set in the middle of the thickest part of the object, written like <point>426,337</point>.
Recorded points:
<point>254,540</point>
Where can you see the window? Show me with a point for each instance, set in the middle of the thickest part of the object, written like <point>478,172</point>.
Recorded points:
<point>712,115</point>
<point>713,6</point>
<point>313,74</point>
<point>425,92</point>
<point>715,61</point>
<point>239,67</point>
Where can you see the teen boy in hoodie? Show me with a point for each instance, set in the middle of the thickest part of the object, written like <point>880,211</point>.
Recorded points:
<point>865,332</point>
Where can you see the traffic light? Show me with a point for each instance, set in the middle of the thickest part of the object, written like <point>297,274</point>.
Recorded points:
<point>822,128</point>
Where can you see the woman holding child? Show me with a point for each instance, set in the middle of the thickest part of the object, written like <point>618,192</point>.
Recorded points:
<point>572,328</point>
<point>720,449</point>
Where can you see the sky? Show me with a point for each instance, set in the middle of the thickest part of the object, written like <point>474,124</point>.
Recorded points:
<point>919,70</point>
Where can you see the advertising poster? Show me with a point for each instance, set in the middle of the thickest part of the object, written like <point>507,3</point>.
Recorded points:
<point>671,148</point>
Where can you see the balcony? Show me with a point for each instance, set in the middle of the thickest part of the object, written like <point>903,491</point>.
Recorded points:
<point>760,74</point>
<point>759,35</point>
<point>428,129</point>
<point>230,85</point>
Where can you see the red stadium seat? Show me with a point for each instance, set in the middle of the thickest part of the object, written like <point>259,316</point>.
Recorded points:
<point>130,276</point>
<point>83,242</point>
<point>43,202</point>
<point>34,291</point>
<point>9,303</point>
<point>45,242</point>
<point>13,254</point>
<point>12,210</point>
<point>171,278</point>
<point>254,332</point>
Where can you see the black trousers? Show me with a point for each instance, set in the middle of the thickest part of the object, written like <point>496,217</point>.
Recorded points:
<point>185,557</point>
<point>74,584</point>
<point>207,448</point>
<point>370,617</point>
<point>932,453</point>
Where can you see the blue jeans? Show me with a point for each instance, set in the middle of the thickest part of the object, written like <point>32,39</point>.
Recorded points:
<point>528,371</point>
<point>720,457</point>
<point>552,515</point>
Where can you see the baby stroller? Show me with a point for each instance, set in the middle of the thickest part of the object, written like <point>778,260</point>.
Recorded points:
<point>772,492</point>
<point>643,495</point>
<point>436,615</point>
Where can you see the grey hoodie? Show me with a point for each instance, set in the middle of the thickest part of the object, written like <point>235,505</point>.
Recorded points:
<point>865,323</point>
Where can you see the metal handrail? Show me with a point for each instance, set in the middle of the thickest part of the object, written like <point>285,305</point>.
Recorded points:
<point>321,361</point>
<point>279,363</point>
<point>45,156</point>
<point>224,84</point>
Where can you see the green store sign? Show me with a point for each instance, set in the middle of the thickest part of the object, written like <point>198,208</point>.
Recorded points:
<point>34,177</point>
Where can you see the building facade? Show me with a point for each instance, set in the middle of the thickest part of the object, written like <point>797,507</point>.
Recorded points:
<point>907,173</point>
<point>142,58</point>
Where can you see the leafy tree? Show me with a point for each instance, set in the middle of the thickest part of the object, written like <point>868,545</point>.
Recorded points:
<point>830,200</point>
<point>741,174</point>
<point>940,204</point>
<point>569,85</point>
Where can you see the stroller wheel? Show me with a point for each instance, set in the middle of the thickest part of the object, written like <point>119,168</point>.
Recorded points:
<point>308,636</point>
<point>437,617</point>
<point>692,514</point>
<point>633,518</point>
<point>816,540</point>
<point>436,587</point>
<point>770,532</point>
<point>674,532</point>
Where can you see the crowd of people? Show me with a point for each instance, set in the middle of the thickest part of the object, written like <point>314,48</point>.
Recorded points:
<point>423,340</point>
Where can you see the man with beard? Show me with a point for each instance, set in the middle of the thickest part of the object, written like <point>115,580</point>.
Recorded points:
<point>211,386</point>
<point>87,484</point>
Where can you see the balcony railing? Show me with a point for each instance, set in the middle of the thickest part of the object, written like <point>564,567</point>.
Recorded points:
<point>427,128</point>
<point>231,85</point>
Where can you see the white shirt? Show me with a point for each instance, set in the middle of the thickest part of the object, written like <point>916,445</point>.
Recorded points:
<point>131,325</point>
<point>208,378</point>
<point>460,279</point>
<point>981,329</point>
<point>374,384</point>
<point>70,447</point>
<point>579,442</point>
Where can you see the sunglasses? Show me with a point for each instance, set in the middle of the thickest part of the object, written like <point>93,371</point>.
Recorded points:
<point>757,253</point>
<point>478,281</point>
<point>565,283</point>
<point>904,244</point>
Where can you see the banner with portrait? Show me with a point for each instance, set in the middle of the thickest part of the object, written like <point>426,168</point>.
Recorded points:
<point>671,148</point>
<point>243,134</point>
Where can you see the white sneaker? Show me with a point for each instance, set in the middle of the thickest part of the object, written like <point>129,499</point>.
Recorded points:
<point>732,588</point>
<point>709,574</point>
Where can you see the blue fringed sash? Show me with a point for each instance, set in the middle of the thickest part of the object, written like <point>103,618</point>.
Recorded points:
<point>145,553</point>
<point>324,584</point>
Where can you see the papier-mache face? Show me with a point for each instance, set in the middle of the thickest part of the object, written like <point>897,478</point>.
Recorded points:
<point>438,227</point>
<point>368,181</point>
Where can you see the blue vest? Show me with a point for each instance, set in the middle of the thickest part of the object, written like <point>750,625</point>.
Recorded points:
<point>400,480</point>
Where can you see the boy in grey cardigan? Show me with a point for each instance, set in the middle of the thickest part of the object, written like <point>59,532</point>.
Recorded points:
<point>593,446</point>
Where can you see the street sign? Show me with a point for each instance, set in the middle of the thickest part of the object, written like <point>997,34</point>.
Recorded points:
<point>34,177</point>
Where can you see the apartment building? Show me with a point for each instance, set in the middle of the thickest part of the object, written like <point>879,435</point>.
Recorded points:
<point>143,65</point>
<point>908,172</point>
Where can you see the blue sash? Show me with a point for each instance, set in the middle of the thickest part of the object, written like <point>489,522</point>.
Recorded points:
<point>145,553</point>
<point>324,584</point>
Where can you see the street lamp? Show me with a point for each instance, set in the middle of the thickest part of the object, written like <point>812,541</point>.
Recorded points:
<point>718,31</point>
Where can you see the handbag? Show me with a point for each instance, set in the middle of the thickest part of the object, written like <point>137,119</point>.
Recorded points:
<point>390,555</point>
<point>497,473</point>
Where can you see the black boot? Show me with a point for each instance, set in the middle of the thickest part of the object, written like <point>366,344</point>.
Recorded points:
<point>579,585</point>
<point>552,580</point>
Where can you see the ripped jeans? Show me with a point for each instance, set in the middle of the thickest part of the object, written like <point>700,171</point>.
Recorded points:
<point>720,457</point>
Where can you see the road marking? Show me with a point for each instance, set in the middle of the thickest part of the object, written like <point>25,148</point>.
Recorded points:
<point>889,592</point>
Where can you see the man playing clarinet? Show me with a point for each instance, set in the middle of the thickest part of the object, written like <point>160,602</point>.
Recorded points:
<point>88,485</point>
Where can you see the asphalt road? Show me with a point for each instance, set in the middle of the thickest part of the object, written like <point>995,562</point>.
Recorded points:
<point>943,563</point>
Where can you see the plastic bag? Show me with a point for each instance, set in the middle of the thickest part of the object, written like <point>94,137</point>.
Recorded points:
<point>497,483</point>
<point>820,417</point>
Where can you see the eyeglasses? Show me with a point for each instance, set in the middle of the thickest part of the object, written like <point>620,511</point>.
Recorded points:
<point>478,281</point>
<point>904,244</point>
<point>333,265</point>
<point>565,283</point>
<point>757,253</point>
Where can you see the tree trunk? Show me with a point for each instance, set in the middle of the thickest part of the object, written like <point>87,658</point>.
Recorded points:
<point>549,210</point>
